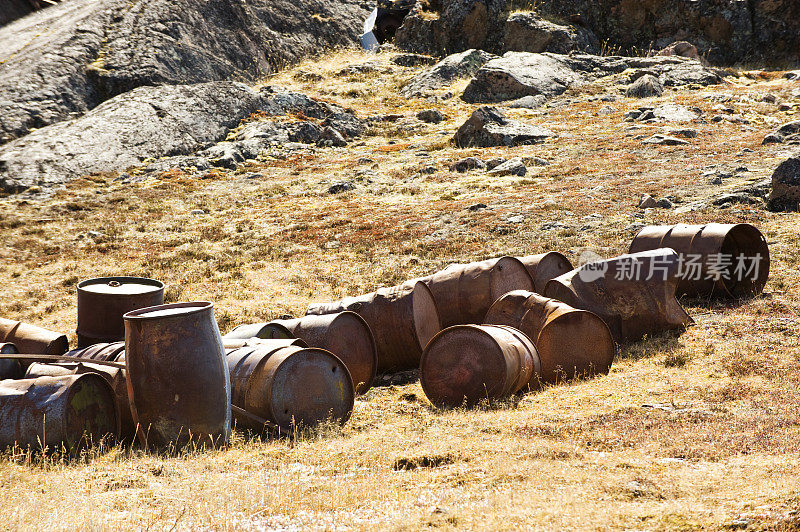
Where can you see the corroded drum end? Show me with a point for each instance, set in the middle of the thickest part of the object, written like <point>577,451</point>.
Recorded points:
<point>576,344</point>
<point>91,411</point>
<point>545,267</point>
<point>425,317</point>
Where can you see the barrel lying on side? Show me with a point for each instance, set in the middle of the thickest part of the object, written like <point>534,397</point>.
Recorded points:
<point>107,352</point>
<point>722,260</point>
<point>544,267</point>
<point>464,292</point>
<point>402,320</point>
<point>32,339</point>
<point>571,343</point>
<point>633,294</point>
<point>9,369</point>
<point>103,301</point>
<point>73,411</point>
<point>465,364</point>
<point>289,385</point>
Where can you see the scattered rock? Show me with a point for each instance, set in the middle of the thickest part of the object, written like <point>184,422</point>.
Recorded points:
<point>647,202</point>
<point>789,132</point>
<point>528,102</point>
<point>412,60</point>
<point>793,75</point>
<point>446,71</point>
<point>785,194</point>
<point>606,110</point>
<point>536,161</point>
<point>466,164</point>
<point>494,162</point>
<point>477,207</point>
<point>431,116</point>
<point>686,133</point>
<point>645,87</point>
<point>664,140</point>
<point>672,112</point>
<point>330,137</point>
<point>513,166</point>
<point>736,197</point>
<point>197,212</point>
<point>528,32</point>
<point>515,218</point>
<point>489,127</point>
<point>341,186</point>
<point>682,49</point>
<point>664,203</point>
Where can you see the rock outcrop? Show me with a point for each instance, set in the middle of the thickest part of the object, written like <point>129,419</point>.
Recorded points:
<point>785,195</point>
<point>528,32</point>
<point>489,127</point>
<point>446,71</point>
<point>788,132</point>
<point>69,58</point>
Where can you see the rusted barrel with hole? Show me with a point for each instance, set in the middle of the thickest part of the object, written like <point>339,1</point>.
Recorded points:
<point>32,339</point>
<point>544,267</point>
<point>464,292</point>
<point>114,376</point>
<point>75,411</point>
<point>571,343</point>
<point>289,385</point>
<point>634,294</point>
<point>178,380</point>
<point>103,301</point>
<point>10,369</point>
<point>107,352</point>
<point>345,334</point>
<point>720,260</point>
<point>402,320</point>
<point>465,364</point>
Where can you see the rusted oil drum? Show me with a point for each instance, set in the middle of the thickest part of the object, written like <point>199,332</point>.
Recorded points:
<point>178,380</point>
<point>236,343</point>
<point>114,376</point>
<point>108,352</point>
<point>402,320</point>
<point>622,291</point>
<point>345,334</point>
<point>289,385</point>
<point>544,267</point>
<point>464,292</point>
<point>571,343</point>
<point>465,364</point>
<point>103,301</point>
<point>9,369</point>
<point>722,260</point>
<point>32,339</point>
<point>73,411</point>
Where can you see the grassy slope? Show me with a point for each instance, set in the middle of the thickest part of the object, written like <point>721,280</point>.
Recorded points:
<point>588,455</point>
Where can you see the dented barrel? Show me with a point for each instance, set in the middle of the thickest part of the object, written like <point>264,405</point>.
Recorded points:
<point>289,385</point>
<point>544,267</point>
<point>464,292</point>
<point>107,352</point>
<point>74,411</point>
<point>345,334</point>
<point>721,260</point>
<point>9,369</point>
<point>402,320</point>
<point>465,364</point>
<point>178,380</point>
<point>571,343</point>
<point>103,301</point>
<point>633,294</point>
<point>32,339</point>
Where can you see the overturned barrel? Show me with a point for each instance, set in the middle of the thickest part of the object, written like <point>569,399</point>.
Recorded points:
<point>114,376</point>
<point>103,301</point>
<point>544,267</point>
<point>107,352</point>
<point>345,334</point>
<point>236,343</point>
<point>571,343</point>
<point>289,385</point>
<point>9,369</point>
<point>32,339</point>
<point>721,260</point>
<point>464,292</point>
<point>633,294</point>
<point>402,320</point>
<point>75,411</point>
<point>465,364</point>
<point>178,380</point>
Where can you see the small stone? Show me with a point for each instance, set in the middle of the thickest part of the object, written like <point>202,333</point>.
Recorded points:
<point>95,234</point>
<point>494,162</point>
<point>513,166</point>
<point>536,161</point>
<point>606,110</point>
<point>528,102</point>
<point>197,212</point>
<point>738,524</point>
<point>647,202</point>
<point>717,180</point>
<point>644,87</point>
<point>553,225</point>
<point>664,203</point>
<point>477,207</point>
<point>431,116</point>
<point>341,186</point>
<point>664,140</point>
<point>515,219</point>
<point>365,160</point>
<point>466,164</point>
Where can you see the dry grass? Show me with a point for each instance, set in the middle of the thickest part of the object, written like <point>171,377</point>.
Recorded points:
<point>718,441</point>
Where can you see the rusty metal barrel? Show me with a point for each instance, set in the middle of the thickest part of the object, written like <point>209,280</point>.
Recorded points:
<point>32,339</point>
<point>236,343</point>
<point>402,320</point>
<point>464,292</point>
<point>103,301</point>
<point>721,260</point>
<point>114,376</point>
<point>289,385</point>
<point>107,352</point>
<point>9,369</point>
<point>634,294</point>
<point>544,267</point>
<point>74,411</point>
<point>178,380</point>
<point>345,334</point>
<point>571,343</point>
<point>465,364</point>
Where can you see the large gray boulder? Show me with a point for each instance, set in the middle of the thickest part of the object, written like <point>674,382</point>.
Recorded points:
<point>446,71</point>
<point>67,59</point>
<point>528,32</point>
<point>489,127</point>
<point>785,195</point>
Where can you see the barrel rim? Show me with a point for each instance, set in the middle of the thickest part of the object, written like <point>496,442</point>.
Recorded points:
<point>199,306</point>
<point>158,285</point>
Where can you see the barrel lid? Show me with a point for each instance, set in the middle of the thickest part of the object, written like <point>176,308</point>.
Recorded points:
<point>122,286</point>
<point>172,309</point>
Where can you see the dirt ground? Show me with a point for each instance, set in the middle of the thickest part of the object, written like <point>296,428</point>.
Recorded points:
<point>697,431</point>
